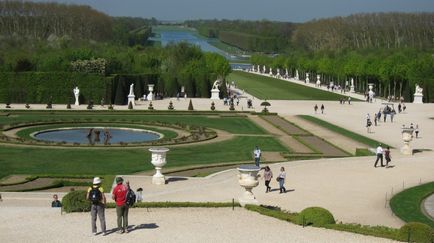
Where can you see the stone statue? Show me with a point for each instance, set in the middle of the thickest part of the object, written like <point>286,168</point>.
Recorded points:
<point>216,84</point>
<point>296,75</point>
<point>76,94</point>
<point>131,89</point>
<point>418,90</point>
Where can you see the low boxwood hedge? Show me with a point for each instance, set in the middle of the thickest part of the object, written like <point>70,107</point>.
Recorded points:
<point>75,201</point>
<point>416,232</point>
<point>315,216</point>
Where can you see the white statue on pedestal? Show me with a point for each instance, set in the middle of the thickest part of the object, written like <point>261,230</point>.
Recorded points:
<point>131,96</point>
<point>264,69</point>
<point>297,77</point>
<point>352,86</point>
<point>307,78</point>
<point>215,92</point>
<point>287,74</point>
<point>371,93</point>
<point>318,80</point>
<point>418,95</point>
<point>76,95</point>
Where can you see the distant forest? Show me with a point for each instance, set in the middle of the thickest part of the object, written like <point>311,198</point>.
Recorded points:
<point>358,31</point>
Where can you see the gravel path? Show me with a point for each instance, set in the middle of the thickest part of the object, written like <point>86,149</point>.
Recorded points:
<point>163,225</point>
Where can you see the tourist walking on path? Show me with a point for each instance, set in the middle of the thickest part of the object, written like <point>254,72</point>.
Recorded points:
<point>281,179</point>
<point>379,153</point>
<point>322,108</point>
<point>257,155</point>
<point>267,177</point>
<point>119,195</point>
<point>416,131</point>
<point>56,203</point>
<point>95,194</point>
<point>387,156</point>
<point>315,108</point>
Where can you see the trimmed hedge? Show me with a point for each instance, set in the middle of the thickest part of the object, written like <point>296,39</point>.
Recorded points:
<point>416,232</point>
<point>315,216</point>
<point>41,87</point>
<point>75,201</point>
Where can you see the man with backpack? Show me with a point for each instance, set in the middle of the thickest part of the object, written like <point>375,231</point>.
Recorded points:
<point>119,195</point>
<point>95,194</point>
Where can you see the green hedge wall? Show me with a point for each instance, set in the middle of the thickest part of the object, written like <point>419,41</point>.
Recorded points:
<point>38,87</point>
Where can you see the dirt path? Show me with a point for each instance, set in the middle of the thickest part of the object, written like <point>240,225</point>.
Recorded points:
<point>287,140</point>
<point>337,139</point>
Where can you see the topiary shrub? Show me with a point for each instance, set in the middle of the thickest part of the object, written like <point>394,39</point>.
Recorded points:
<point>416,232</point>
<point>75,201</point>
<point>150,107</point>
<point>315,216</point>
<point>27,106</point>
<point>190,106</point>
<point>110,107</point>
<point>212,106</point>
<point>170,106</point>
<point>68,106</point>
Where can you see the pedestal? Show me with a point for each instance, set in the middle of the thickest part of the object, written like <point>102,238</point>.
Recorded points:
<point>76,102</point>
<point>158,178</point>
<point>406,149</point>
<point>418,99</point>
<point>352,89</point>
<point>407,136</point>
<point>215,94</point>
<point>131,99</point>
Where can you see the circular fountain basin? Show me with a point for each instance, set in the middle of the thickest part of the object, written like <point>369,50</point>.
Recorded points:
<point>106,135</point>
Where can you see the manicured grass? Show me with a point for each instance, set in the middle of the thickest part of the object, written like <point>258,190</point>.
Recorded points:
<point>275,89</point>
<point>354,136</point>
<point>406,204</point>
<point>77,161</point>
<point>237,125</point>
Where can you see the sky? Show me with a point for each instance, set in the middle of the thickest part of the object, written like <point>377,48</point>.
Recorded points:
<point>279,10</point>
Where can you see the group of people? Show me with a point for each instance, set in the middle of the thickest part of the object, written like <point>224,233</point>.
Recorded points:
<point>342,100</point>
<point>380,152</point>
<point>315,108</point>
<point>123,196</point>
<point>268,174</point>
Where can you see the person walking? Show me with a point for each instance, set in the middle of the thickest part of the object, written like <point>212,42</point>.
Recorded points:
<point>95,194</point>
<point>281,178</point>
<point>268,174</point>
<point>349,100</point>
<point>315,108</point>
<point>387,156</point>
<point>257,155</point>
<point>416,131</point>
<point>56,203</point>
<point>379,153</point>
<point>322,108</point>
<point>119,195</point>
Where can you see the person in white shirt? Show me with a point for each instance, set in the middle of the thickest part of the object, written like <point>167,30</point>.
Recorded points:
<point>281,178</point>
<point>379,153</point>
<point>257,154</point>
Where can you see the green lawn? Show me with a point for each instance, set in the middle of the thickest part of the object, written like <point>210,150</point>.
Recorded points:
<point>406,204</point>
<point>111,161</point>
<point>354,136</point>
<point>275,89</point>
<point>238,125</point>
<point>59,161</point>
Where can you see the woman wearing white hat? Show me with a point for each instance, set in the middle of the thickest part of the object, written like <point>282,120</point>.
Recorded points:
<point>95,194</point>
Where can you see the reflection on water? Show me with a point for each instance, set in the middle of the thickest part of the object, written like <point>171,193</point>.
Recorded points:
<point>94,136</point>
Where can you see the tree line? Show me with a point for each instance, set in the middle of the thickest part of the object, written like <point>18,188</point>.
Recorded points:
<point>393,72</point>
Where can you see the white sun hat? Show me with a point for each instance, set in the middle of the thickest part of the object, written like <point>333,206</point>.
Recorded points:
<point>96,180</point>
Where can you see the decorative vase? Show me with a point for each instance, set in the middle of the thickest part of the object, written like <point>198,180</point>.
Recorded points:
<point>158,159</point>
<point>248,179</point>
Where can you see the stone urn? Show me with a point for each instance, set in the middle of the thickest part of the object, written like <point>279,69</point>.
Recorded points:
<point>151,90</point>
<point>158,159</point>
<point>248,178</point>
<point>407,136</point>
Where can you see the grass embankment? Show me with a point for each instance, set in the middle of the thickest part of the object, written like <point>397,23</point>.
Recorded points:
<point>352,135</point>
<point>407,204</point>
<point>275,89</point>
